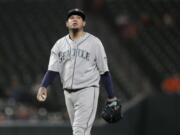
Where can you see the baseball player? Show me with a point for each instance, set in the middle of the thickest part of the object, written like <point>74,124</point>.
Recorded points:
<point>80,60</point>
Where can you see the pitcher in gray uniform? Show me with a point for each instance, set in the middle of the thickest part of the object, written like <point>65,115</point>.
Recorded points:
<point>80,60</point>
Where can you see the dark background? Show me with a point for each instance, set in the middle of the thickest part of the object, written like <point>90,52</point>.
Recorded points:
<point>141,39</point>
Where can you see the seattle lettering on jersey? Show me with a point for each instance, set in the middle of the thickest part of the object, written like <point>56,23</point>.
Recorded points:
<point>63,56</point>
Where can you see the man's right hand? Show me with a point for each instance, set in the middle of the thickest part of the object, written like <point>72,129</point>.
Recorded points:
<point>42,94</point>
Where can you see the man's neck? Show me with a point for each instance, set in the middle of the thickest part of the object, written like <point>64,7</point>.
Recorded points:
<point>74,35</point>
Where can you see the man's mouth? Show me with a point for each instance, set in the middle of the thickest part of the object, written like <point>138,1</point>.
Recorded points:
<point>74,23</point>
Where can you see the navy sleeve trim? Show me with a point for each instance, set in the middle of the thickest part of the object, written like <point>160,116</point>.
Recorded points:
<point>107,82</point>
<point>49,78</point>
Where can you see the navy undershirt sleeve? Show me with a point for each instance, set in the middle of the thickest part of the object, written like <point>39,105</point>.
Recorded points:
<point>107,82</point>
<point>49,78</point>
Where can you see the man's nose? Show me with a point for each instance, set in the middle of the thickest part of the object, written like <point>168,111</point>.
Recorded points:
<point>74,19</point>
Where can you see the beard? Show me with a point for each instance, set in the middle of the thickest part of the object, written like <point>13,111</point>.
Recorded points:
<point>75,30</point>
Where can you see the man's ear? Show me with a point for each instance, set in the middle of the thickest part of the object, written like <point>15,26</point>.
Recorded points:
<point>84,23</point>
<point>66,23</point>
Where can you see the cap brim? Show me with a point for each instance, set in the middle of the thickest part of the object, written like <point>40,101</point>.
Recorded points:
<point>76,13</point>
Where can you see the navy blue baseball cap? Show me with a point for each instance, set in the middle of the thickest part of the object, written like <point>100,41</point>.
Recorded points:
<point>76,11</point>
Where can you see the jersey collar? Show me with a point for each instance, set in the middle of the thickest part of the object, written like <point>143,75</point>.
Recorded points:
<point>79,41</point>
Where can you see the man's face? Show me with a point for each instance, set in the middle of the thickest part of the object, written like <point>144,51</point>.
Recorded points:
<point>75,22</point>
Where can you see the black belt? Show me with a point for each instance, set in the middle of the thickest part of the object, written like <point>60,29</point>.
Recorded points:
<point>75,90</point>
<point>72,90</point>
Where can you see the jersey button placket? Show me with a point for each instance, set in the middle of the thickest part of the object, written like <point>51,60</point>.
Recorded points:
<point>71,60</point>
<point>74,57</point>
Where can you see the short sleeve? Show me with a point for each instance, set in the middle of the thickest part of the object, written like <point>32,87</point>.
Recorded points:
<point>54,60</point>
<point>101,58</point>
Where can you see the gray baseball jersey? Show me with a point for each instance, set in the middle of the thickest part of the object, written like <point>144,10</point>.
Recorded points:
<point>78,62</point>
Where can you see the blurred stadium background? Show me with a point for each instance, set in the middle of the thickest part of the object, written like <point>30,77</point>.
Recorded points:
<point>142,41</point>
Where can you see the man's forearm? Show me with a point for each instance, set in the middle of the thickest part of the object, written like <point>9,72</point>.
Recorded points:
<point>48,78</point>
<point>107,82</point>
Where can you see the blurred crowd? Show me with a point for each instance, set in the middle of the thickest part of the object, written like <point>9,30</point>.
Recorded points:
<point>18,103</point>
<point>129,27</point>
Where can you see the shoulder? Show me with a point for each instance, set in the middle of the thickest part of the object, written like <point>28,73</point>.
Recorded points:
<point>95,39</point>
<point>58,43</point>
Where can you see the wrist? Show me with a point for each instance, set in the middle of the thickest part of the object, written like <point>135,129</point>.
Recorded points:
<point>112,99</point>
<point>43,88</point>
